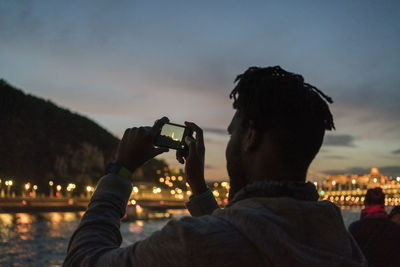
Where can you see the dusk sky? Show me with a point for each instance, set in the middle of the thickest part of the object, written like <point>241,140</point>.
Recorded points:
<point>128,63</point>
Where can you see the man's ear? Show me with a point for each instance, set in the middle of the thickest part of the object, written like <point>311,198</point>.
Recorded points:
<point>251,138</point>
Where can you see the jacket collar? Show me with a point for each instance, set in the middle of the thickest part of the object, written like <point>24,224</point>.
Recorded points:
<point>271,188</point>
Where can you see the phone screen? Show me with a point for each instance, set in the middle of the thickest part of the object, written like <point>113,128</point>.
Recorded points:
<point>172,136</point>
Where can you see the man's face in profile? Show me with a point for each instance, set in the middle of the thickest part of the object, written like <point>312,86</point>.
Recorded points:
<point>234,155</point>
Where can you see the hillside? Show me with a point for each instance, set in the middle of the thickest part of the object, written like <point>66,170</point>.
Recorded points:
<point>40,141</point>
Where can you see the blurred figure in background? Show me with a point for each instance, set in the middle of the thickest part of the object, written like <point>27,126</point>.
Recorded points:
<point>374,204</point>
<point>394,215</point>
<point>377,236</point>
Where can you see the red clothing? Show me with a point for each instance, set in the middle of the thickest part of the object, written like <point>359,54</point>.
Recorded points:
<point>374,211</point>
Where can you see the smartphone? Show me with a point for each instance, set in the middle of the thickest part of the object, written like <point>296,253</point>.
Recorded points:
<point>172,136</point>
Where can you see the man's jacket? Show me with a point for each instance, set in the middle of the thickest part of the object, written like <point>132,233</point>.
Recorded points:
<point>265,224</point>
<point>377,236</point>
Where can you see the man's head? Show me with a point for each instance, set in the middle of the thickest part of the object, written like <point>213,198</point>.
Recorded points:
<point>374,196</point>
<point>279,124</point>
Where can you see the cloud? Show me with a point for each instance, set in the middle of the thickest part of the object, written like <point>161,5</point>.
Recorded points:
<point>386,170</point>
<point>336,157</point>
<point>208,166</point>
<point>352,170</point>
<point>396,151</point>
<point>339,140</point>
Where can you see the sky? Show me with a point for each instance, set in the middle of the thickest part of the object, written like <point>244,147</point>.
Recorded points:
<point>128,63</point>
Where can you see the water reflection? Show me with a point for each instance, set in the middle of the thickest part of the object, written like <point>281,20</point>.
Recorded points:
<point>6,222</point>
<point>41,239</point>
<point>136,227</point>
<point>23,226</point>
<point>6,219</point>
<point>56,220</point>
<point>38,239</point>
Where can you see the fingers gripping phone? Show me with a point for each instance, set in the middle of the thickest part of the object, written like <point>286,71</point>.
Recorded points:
<point>173,136</point>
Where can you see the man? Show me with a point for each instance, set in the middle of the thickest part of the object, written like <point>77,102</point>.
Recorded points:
<point>272,218</point>
<point>377,236</point>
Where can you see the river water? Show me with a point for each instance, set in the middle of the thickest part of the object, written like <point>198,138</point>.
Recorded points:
<point>41,239</point>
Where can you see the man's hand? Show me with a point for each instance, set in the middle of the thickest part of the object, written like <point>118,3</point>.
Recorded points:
<point>137,145</point>
<point>194,157</point>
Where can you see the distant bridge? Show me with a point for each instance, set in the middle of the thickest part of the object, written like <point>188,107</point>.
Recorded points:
<point>27,204</point>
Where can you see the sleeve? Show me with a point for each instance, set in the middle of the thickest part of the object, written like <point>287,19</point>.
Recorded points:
<point>97,240</point>
<point>98,231</point>
<point>203,204</point>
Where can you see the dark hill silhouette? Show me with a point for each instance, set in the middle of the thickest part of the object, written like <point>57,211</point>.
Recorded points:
<point>41,141</point>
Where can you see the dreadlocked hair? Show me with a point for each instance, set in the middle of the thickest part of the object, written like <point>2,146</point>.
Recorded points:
<point>273,97</point>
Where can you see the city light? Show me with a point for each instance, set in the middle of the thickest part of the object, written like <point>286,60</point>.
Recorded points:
<point>156,190</point>
<point>139,209</point>
<point>71,187</point>
<point>343,190</point>
<point>345,195</point>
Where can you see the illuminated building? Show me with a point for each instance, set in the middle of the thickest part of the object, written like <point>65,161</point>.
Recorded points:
<point>348,190</point>
<point>343,181</point>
